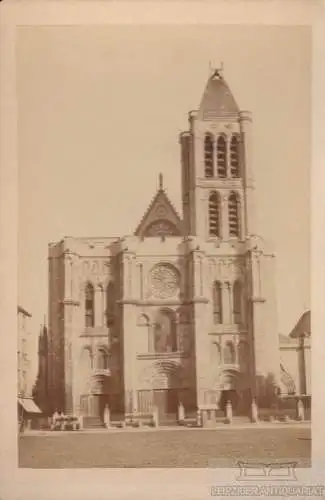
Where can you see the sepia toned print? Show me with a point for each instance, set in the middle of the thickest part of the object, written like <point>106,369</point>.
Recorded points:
<point>167,338</point>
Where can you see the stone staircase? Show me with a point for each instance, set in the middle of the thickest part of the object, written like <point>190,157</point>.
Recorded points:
<point>240,420</point>
<point>93,423</point>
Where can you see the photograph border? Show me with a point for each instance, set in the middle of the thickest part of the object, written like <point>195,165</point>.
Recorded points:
<point>121,483</point>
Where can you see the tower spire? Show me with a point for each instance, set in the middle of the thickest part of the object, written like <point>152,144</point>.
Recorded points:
<point>216,72</point>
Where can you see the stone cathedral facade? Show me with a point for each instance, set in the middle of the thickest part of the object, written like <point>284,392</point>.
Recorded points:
<point>184,309</point>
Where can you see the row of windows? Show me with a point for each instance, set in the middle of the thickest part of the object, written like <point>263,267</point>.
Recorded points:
<point>237,303</point>
<point>165,326</point>
<point>228,354</point>
<point>215,214</point>
<point>216,156</point>
<point>98,362</point>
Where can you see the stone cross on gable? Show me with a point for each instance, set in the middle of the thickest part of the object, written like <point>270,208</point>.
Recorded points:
<point>161,181</point>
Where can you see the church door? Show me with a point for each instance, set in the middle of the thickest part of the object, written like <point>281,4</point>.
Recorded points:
<point>232,396</point>
<point>166,401</point>
<point>240,401</point>
<point>103,401</point>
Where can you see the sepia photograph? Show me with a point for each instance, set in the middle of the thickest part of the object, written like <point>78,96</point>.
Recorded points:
<point>164,311</point>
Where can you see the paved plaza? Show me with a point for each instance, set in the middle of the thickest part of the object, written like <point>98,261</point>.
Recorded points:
<point>166,448</point>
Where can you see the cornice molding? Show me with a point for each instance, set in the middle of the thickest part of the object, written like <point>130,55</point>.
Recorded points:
<point>163,355</point>
<point>257,300</point>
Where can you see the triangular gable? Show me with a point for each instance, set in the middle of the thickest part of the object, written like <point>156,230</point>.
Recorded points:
<point>160,219</point>
<point>303,327</point>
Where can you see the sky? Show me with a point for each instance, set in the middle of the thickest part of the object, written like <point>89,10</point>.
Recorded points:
<point>99,114</point>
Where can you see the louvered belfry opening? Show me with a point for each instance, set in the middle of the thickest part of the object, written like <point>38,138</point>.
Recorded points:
<point>222,156</point>
<point>234,156</point>
<point>214,214</point>
<point>233,215</point>
<point>208,156</point>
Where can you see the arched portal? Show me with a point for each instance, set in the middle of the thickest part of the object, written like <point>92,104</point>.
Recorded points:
<point>95,382</point>
<point>161,387</point>
<point>233,386</point>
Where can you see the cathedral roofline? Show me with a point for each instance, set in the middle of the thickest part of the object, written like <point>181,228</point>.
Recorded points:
<point>303,326</point>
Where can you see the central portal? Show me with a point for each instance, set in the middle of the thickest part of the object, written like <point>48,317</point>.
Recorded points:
<point>166,401</point>
<point>235,389</point>
<point>240,401</point>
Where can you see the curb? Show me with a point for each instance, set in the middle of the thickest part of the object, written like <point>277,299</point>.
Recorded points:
<point>221,427</point>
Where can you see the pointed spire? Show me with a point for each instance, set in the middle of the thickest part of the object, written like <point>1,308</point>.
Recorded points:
<point>217,99</point>
<point>161,182</point>
<point>216,72</point>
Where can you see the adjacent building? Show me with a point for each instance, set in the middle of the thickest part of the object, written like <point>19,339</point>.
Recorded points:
<point>24,333</point>
<point>26,405</point>
<point>295,353</point>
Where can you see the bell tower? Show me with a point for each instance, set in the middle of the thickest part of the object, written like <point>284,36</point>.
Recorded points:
<point>217,171</point>
<point>218,190</point>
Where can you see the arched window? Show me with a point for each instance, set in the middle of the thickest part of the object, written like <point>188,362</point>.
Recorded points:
<point>217,303</point>
<point>233,214</point>
<point>110,302</point>
<point>234,156</point>
<point>229,353</point>
<point>243,356</point>
<point>208,156</point>
<point>222,156</point>
<point>214,215</point>
<point>165,337</point>
<point>237,302</point>
<point>102,359</point>
<point>215,353</point>
<point>144,340</point>
<point>89,305</point>
<point>84,370</point>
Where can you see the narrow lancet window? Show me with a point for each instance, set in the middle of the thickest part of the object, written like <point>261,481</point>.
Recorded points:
<point>208,156</point>
<point>89,305</point>
<point>214,215</point>
<point>237,302</point>
<point>234,156</point>
<point>229,353</point>
<point>222,156</point>
<point>233,215</point>
<point>217,303</point>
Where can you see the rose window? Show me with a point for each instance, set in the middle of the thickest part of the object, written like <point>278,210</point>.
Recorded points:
<point>164,281</point>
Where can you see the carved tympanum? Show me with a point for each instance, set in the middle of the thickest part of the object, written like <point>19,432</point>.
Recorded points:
<point>161,228</point>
